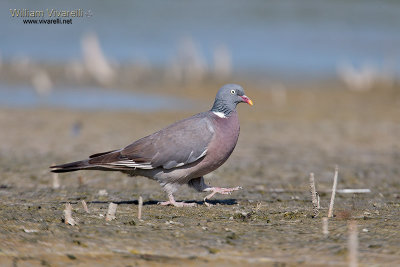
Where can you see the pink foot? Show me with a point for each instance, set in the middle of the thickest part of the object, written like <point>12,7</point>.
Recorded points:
<point>177,204</point>
<point>172,202</point>
<point>220,190</point>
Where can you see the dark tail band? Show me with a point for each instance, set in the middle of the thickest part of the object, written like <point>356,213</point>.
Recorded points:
<point>70,167</point>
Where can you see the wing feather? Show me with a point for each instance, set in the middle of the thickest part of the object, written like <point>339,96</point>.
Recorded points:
<point>179,144</point>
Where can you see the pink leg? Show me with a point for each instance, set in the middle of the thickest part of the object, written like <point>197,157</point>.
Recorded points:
<point>220,190</point>
<point>172,202</point>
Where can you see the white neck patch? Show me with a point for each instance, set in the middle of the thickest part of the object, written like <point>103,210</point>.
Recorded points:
<point>220,114</point>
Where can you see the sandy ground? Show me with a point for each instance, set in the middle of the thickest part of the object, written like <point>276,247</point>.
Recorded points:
<point>283,138</point>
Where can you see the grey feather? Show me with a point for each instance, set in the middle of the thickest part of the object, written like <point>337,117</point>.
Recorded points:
<point>179,144</point>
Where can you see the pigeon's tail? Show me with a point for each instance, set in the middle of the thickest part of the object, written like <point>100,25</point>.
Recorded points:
<point>70,167</point>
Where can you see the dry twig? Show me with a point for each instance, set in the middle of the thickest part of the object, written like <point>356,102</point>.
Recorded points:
<point>80,181</point>
<point>352,243</point>
<point>140,208</point>
<point>330,212</point>
<point>315,200</point>
<point>56,181</point>
<point>354,191</point>
<point>68,215</point>
<point>112,209</point>
<point>85,206</point>
<point>325,230</point>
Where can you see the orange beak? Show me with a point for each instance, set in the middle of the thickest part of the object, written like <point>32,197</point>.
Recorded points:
<point>247,100</point>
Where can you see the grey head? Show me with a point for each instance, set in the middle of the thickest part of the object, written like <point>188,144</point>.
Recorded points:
<point>227,98</point>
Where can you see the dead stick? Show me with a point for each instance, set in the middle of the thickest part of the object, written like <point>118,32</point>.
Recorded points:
<point>112,209</point>
<point>330,212</point>
<point>80,181</point>
<point>325,230</point>
<point>314,195</point>
<point>56,181</point>
<point>68,215</point>
<point>354,191</point>
<point>342,191</point>
<point>352,243</point>
<point>140,208</point>
<point>85,206</point>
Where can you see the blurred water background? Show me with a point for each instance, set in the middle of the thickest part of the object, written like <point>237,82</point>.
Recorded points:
<point>142,44</point>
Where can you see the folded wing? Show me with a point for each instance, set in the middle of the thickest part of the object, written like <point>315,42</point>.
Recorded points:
<point>179,144</point>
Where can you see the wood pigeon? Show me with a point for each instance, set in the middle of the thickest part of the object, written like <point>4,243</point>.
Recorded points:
<point>181,153</point>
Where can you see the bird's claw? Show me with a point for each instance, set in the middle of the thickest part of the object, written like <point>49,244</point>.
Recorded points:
<point>220,190</point>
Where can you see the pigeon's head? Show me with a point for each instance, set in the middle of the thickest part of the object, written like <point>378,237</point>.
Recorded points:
<point>227,98</point>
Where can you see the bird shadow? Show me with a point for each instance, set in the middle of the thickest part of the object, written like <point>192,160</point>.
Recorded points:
<point>227,202</point>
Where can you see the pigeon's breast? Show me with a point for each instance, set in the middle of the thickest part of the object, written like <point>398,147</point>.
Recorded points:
<point>222,145</point>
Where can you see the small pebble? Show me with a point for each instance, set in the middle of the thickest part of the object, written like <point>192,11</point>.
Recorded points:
<point>103,192</point>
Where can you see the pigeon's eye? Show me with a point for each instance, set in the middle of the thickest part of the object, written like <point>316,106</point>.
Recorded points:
<point>233,92</point>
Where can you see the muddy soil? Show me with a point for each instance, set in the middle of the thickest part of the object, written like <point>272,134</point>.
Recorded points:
<point>268,223</point>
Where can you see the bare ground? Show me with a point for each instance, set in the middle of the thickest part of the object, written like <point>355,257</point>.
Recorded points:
<point>268,223</point>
